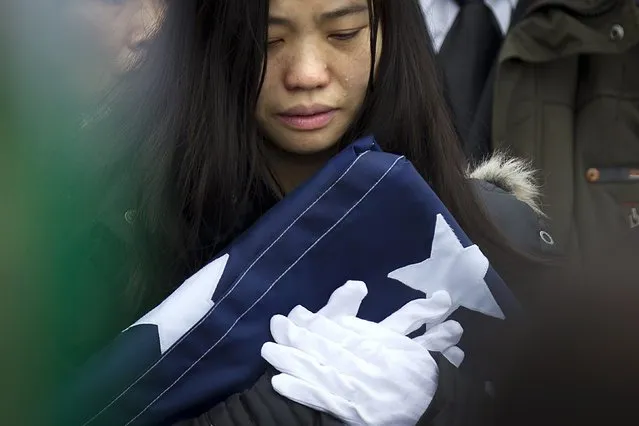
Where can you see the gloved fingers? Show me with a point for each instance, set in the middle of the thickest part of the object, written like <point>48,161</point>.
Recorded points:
<point>315,397</point>
<point>301,316</point>
<point>345,301</point>
<point>374,338</point>
<point>441,336</point>
<point>455,355</point>
<point>323,350</point>
<point>418,312</point>
<point>300,365</point>
<point>324,327</point>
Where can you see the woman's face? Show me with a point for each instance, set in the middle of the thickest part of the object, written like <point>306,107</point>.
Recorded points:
<point>317,72</point>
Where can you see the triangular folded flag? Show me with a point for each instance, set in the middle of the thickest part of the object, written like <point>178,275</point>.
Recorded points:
<point>367,215</point>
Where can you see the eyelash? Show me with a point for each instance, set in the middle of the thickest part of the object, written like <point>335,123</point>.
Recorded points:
<point>345,36</point>
<point>337,37</point>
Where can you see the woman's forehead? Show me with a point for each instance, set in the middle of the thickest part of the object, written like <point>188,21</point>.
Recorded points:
<point>319,10</point>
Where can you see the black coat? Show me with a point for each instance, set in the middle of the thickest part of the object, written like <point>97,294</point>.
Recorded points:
<point>457,402</point>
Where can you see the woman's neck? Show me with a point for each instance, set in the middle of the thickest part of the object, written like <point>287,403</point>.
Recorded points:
<point>290,170</point>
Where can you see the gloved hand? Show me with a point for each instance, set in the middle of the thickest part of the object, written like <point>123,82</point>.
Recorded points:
<point>361,372</point>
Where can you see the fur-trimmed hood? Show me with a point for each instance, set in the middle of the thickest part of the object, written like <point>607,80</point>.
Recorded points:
<point>508,191</point>
<point>512,175</point>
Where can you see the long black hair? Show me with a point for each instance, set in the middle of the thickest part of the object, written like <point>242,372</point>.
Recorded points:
<point>204,174</point>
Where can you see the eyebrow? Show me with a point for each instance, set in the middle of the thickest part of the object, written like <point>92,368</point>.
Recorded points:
<point>326,16</point>
<point>344,11</point>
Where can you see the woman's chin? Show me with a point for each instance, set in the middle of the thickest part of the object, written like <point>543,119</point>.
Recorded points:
<point>308,143</point>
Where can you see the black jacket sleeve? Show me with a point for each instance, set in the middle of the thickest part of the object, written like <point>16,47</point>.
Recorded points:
<point>531,271</point>
<point>457,402</point>
<point>519,223</point>
<point>261,406</point>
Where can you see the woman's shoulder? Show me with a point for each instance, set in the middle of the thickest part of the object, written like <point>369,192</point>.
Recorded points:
<point>507,188</point>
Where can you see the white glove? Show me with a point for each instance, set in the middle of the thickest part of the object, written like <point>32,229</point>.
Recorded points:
<point>361,372</point>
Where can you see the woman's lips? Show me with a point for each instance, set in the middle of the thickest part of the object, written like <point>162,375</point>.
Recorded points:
<point>308,122</point>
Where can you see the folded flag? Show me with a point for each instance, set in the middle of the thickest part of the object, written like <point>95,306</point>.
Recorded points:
<point>367,215</point>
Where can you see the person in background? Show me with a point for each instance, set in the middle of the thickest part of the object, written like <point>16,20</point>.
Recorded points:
<point>555,84</point>
<point>566,97</point>
<point>467,36</point>
<point>67,184</point>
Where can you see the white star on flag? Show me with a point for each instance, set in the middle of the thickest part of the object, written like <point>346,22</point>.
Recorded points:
<point>454,268</point>
<point>177,314</point>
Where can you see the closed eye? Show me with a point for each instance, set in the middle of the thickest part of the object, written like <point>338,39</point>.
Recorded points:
<point>345,35</point>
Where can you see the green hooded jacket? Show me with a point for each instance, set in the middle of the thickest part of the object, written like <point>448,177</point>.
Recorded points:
<point>567,97</point>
